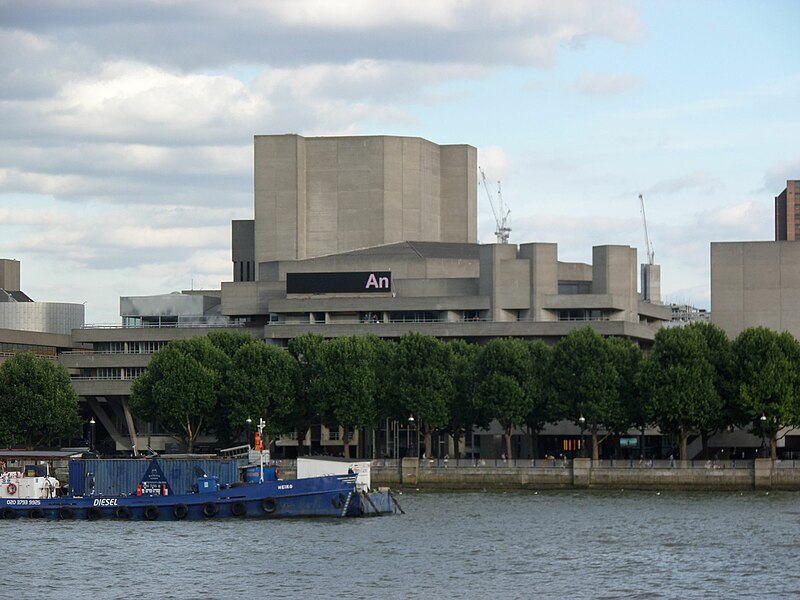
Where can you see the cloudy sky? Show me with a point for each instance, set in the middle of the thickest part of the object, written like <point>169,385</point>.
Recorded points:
<point>127,126</point>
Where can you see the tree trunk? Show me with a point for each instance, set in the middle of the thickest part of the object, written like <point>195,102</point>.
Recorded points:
<point>595,446</point>
<point>428,443</point>
<point>508,442</point>
<point>704,437</point>
<point>346,443</point>
<point>684,445</point>
<point>773,446</point>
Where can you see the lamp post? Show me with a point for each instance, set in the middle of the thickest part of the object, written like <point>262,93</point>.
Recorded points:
<point>763,420</point>
<point>408,431</point>
<point>582,422</point>
<point>91,434</point>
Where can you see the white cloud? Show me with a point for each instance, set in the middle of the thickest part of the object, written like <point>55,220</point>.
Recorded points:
<point>601,85</point>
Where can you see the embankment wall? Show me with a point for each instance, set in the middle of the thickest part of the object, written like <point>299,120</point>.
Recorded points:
<point>762,474</point>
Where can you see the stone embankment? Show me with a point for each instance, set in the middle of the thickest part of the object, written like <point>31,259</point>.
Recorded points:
<point>581,473</point>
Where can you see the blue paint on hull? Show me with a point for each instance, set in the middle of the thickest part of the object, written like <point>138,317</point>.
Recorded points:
<point>329,496</point>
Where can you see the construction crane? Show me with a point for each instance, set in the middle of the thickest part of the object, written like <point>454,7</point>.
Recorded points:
<point>500,213</point>
<point>648,247</point>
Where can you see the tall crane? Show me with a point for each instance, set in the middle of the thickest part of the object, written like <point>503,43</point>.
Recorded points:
<point>500,213</point>
<point>648,247</point>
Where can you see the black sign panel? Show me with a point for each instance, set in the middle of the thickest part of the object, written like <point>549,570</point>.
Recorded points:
<point>339,283</point>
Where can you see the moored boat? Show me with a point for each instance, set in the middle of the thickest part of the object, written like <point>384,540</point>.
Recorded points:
<point>323,488</point>
<point>331,496</point>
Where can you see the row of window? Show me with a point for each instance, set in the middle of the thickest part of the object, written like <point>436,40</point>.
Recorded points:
<point>122,373</point>
<point>38,350</point>
<point>129,347</point>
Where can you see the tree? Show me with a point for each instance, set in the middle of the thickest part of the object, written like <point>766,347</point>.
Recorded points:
<point>38,405</point>
<point>677,379</point>
<point>423,382</point>
<point>180,387</point>
<point>503,369</point>
<point>768,365</point>
<point>307,350</point>
<point>723,361</point>
<point>461,410</point>
<point>587,383</point>
<point>626,358</point>
<point>541,393</point>
<point>229,341</point>
<point>345,390</point>
<point>260,383</point>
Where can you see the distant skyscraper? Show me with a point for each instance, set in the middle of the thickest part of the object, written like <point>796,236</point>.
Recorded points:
<point>787,212</point>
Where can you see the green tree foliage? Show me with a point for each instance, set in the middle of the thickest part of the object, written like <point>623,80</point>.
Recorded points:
<point>230,341</point>
<point>587,383</point>
<point>424,381</point>
<point>307,351</point>
<point>505,383</point>
<point>37,403</point>
<point>345,390</point>
<point>677,381</point>
<point>461,410</point>
<point>723,361</point>
<point>260,383</point>
<point>626,358</point>
<point>181,386</point>
<point>769,380</point>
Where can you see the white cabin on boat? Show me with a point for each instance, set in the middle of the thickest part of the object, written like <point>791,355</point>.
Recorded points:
<point>318,466</point>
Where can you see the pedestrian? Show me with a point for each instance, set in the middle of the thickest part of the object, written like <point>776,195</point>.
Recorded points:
<point>671,460</point>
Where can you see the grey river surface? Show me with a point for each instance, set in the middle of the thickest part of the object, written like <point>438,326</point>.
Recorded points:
<point>448,545</point>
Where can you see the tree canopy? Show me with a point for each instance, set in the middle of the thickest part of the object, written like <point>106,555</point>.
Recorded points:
<point>769,381</point>
<point>38,406</point>
<point>180,387</point>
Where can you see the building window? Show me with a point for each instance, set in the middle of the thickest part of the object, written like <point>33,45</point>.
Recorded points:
<point>569,288</point>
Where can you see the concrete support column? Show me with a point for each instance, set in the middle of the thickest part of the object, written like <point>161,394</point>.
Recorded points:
<point>410,471</point>
<point>762,476</point>
<point>581,472</point>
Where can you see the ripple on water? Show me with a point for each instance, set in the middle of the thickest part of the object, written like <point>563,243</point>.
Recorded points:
<point>449,545</point>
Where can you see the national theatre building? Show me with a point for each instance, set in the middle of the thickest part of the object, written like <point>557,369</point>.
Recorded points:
<point>378,234</point>
<point>357,235</point>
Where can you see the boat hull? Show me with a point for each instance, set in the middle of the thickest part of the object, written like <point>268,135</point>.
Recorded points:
<point>330,496</point>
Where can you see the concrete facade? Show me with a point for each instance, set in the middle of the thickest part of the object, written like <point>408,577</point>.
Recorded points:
<point>19,312</point>
<point>755,284</point>
<point>324,195</point>
<point>454,290</point>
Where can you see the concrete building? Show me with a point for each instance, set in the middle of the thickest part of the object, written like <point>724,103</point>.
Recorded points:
<point>356,235</point>
<point>324,195</point>
<point>26,326</point>
<point>331,212</point>
<point>787,212</point>
<point>755,284</point>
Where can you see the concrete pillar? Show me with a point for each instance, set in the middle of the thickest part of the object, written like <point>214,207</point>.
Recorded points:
<point>762,476</point>
<point>410,471</point>
<point>581,472</point>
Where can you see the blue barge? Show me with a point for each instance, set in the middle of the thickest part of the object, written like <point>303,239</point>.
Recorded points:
<point>34,494</point>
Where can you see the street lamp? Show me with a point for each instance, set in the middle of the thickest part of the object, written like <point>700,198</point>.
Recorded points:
<point>249,422</point>
<point>582,422</point>
<point>763,441</point>
<point>91,434</point>
<point>408,431</point>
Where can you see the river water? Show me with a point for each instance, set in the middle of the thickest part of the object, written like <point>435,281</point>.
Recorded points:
<point>447,545</point>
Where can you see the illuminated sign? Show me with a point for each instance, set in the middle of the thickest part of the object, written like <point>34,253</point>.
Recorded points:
<point>360,282</point>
